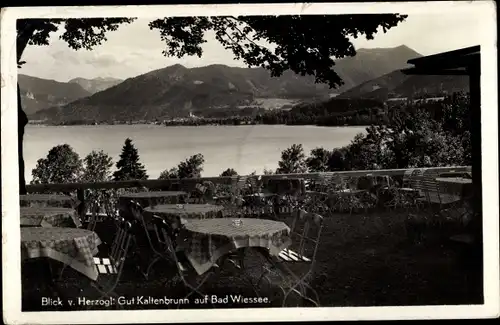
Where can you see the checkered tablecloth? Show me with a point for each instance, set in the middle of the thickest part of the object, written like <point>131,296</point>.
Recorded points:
<point>48,200</point>
<point>206,240</point>
<point>174,212</point>
<point>72,246</point>
<point>49,217</point>
<point>147,199</point>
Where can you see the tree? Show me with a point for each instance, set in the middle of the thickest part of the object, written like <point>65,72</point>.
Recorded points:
<point>337,161</point>
<point>128,166</point>
<point>229,172</point>
<point>169,173</point>
<point>318,160</point>
<point>97,167</point>
<point>300,42</point>
<point>62,165</point>
<point>191,167</point>
<point>292,160</point>
<point>267,171</point>
<point>416,136</point>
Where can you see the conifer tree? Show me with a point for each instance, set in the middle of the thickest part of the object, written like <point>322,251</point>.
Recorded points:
<point>128,166</point>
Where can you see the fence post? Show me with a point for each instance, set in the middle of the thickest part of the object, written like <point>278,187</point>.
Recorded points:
<point>82,209</point>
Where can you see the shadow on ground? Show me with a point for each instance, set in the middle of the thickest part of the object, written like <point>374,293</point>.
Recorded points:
<point>363,260</point>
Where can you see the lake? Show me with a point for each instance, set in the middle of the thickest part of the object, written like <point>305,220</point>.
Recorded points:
<point>244,148</point>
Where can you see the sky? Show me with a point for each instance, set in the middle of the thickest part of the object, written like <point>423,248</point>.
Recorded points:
<point>134,49</point>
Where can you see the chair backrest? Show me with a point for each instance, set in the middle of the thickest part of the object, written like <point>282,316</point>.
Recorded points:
<point>136,210</point>
<point>415,179</point>
<point>121,244</point>
<point>305,232</point>
<point>161,233</point>
<point>167,234</point>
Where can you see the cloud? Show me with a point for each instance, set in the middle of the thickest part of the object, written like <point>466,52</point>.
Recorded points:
<point>135,49</point>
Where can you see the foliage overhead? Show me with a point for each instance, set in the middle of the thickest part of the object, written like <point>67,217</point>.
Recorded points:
<point>128,166</point>
<point>307,45</point>
<point>78,33</point>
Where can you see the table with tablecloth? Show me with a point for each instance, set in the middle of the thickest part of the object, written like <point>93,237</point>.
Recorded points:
<point>74,247</point>
<point>460,188</point>
<point>49,217</point>
<point>181,212</point>
<point>456,186</point>
<point>206,240</point>
<point>151,198</point>
<point>48,200</point>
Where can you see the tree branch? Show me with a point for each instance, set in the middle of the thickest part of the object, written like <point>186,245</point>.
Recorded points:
<point>236,27</point>
<point>23,37</point>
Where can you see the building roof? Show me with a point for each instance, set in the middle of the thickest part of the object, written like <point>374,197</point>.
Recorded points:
<point>458,62</point>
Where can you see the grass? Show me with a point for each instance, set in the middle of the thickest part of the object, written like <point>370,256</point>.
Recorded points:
<point>364,259</point>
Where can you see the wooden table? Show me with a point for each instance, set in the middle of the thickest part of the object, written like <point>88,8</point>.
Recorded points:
<point>207,240</point>
<point>72,246</point>
<point>49,217</point>
<point>147,199</point>
<point>48,200</point>
<point>182,212</point>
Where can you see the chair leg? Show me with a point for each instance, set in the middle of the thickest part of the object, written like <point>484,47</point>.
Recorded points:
<point>62,271</point>
<point>153,262</point>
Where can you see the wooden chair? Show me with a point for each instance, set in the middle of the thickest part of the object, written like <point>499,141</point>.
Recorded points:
<point>186,273</point>
<point>110,268</point>
<point>433,194</point>
<point>292,271</point>
<point>138,214</point>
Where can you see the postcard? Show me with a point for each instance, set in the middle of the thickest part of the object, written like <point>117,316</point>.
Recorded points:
<point>249,162</point>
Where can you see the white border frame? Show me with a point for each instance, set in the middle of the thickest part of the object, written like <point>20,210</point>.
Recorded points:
<point>485,10</point>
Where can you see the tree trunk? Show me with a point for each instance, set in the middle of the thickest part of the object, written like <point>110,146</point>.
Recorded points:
<point>22,41</point>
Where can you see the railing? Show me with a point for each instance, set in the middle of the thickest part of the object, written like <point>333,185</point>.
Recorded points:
<point>228,182</point>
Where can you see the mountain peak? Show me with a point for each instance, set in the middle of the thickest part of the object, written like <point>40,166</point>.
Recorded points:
<point>401,48</point>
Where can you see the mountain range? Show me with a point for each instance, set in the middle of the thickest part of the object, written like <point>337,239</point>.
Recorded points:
<point>176,91</point>
<point>97,84</point>
<point>38,94</point>
<point>398,85</point>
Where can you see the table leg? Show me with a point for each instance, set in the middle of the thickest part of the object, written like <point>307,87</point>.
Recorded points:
<point>49,285</point>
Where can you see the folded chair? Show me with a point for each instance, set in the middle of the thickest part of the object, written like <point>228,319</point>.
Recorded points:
<point>110,268</point>
<point>435,195</point>
<point>294,267</point>
<point>138,214</point>
<point>170,235</point>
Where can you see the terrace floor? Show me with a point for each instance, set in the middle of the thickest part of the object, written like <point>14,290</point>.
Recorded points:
<point>364,259</point>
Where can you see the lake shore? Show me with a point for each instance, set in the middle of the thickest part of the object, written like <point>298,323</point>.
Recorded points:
<point>245,148</point>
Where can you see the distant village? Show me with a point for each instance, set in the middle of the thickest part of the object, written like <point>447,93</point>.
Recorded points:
<point>192,119</point>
